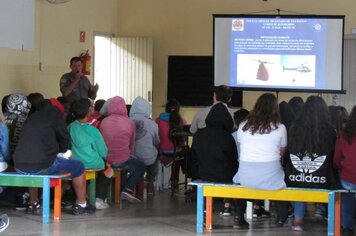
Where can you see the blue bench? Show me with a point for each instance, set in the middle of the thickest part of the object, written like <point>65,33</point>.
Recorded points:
<point>38,181</point>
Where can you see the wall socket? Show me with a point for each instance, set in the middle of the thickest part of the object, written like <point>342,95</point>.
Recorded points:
<point>41,66</point>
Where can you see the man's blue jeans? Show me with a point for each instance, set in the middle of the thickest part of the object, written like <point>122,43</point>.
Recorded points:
<point>347,205</point>
<point>136,168</point>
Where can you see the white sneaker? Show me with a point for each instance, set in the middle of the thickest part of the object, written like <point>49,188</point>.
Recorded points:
<point>3,166</point>
<point>4,222</point>
<point>100,204</point>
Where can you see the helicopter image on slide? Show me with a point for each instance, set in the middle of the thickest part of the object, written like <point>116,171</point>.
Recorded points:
<point>262,72</point>
<point>301,68</point>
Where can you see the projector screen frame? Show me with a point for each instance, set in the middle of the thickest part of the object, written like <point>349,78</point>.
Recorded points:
<point>283,89</point>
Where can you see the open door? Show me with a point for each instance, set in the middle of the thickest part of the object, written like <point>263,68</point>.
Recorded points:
<point>123,67</point>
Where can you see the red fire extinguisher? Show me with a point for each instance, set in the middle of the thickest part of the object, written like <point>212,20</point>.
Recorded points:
<point>86,60</point>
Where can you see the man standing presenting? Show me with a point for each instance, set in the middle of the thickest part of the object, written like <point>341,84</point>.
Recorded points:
<point>74,85</point>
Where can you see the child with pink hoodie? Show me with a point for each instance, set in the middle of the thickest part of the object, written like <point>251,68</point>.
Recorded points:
<point>119,134</point>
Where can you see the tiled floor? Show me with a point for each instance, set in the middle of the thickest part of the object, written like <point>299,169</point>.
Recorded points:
<point>160,214</point>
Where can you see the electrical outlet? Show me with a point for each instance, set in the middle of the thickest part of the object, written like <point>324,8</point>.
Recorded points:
<point>41,66</point>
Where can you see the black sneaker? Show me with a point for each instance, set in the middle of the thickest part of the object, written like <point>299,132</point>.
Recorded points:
<point>175,187</point>
<point>279,223</point>
<point>240,223</point>
<point>79,210</point>
<point>291,212</point>
<point>22,201</point>
<point>226,211</point>
<point>4,222</point>
<point>34,209</point>
<point>127,194</point>
<point>347,231</point>
<point>260,212</point>
<point>66,204</point>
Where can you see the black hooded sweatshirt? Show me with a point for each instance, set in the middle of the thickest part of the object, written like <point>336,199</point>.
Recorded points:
<point>215,148</point>
<point>43,136</point>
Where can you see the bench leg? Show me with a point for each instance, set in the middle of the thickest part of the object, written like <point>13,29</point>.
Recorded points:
<point>338,214</point>
<point>200,210</point>
<point>92,192</point>
<point>331,214</point>
<point>267,205</point>
<point>209,213</point>
<point>118,187</point>
<point>249,210</point>
<point>57,200</point>
<point>45,203</point>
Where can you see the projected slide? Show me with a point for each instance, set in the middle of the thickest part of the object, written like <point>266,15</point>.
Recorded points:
<point>278,53</point>
<point>276,70</point>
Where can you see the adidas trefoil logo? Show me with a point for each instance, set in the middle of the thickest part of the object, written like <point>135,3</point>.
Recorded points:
<point>306,165</point>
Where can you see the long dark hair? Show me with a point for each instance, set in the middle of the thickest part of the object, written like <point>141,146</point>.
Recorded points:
<point>175,120</point>
<point>34,99</point>
<point>349,130</point>
<point>312,131</point>
<point>296,104</point>
<point>338,115</point>
<point>286,113</point>
<point>265,115</point>
<point>4,102</point>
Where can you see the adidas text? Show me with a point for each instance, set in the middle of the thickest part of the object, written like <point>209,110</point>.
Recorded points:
<point>307,178</point>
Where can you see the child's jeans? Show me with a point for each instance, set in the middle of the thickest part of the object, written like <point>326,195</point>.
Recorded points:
<point>348,205</point>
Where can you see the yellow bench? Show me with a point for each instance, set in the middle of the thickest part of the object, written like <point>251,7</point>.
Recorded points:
<point>90,174</point>
<point>210,190</point>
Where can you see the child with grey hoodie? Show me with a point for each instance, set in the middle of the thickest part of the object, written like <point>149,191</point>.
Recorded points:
<point>146,135</point>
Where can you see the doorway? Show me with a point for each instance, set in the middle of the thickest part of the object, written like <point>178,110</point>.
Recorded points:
<point>123,67</point>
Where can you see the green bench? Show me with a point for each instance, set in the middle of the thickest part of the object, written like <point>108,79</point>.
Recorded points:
<point>38,181</point>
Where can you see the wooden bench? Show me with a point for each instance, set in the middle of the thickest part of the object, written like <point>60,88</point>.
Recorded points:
<point>210,190</point>
<point>38,181</point>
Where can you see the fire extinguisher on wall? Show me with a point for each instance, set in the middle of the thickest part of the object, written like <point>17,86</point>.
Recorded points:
<point>86,60</point>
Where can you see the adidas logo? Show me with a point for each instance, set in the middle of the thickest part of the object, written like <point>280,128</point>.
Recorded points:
<point>306,165</point>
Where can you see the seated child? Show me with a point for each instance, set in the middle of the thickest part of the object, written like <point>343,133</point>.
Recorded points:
<point>43,136</point>
<point>119,134</point>
<point>146,135</point>
<point>88,145</point>
<point>95,118</point>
